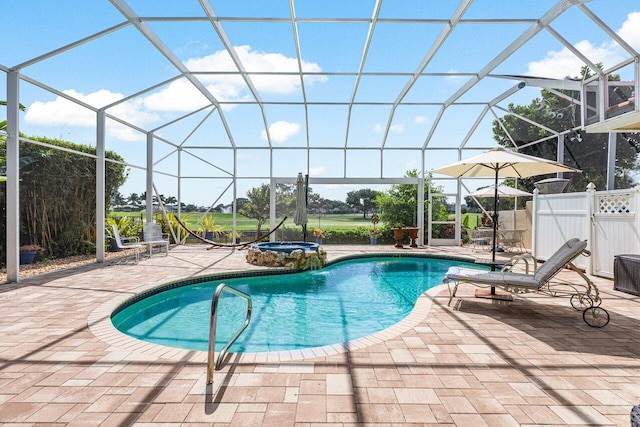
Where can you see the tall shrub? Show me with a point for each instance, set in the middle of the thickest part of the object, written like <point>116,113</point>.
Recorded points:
<point>58,196</point>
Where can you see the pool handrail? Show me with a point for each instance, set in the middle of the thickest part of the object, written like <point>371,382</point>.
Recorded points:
<point>212,328</point>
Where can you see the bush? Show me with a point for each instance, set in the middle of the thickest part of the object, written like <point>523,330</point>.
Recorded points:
<point>57,196</point>
<point>355,236</point>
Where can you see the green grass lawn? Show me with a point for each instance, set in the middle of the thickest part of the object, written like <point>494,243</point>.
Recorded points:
<point>325,222</point>
<point>335,222</point>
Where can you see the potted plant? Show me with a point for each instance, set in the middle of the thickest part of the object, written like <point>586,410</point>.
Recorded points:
<point>208,227</point>
<point>373,232</point>
<point>319,235</point>
<point>28,253</point>
<point>230,237</point>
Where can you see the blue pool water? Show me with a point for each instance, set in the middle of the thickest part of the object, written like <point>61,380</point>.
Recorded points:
<point>342,302</point>
<point>287,247</point>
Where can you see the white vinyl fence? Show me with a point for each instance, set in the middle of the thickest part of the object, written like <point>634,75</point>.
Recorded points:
<point>608,220</point>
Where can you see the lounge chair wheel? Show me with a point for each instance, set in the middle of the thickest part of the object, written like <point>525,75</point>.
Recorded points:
<point>581,301</point>
<point>596,317</point>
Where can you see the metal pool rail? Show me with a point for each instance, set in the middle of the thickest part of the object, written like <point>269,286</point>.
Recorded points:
<point>212,328</point>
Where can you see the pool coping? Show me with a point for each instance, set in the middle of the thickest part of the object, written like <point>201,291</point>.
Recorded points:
<point>99,320</point>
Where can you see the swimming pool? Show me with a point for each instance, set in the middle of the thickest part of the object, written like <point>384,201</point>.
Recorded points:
<point>344,301</point>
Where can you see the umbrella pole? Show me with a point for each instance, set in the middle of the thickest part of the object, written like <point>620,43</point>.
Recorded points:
<point>495,219</point>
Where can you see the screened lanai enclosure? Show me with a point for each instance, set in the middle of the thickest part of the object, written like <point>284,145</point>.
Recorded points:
<point>204,99</point>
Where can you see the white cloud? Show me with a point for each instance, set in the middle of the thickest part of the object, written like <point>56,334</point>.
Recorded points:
<point>563,63</point>
<point>181,95</point>
<point>318,170</point>
<point>410,165</point>
<point>399,128</point>
<point>255,61</point>
<point>281,131</point>
<point>378,128</point>
<point>421,120</point>
<point>630,30</point>
<point>62,112</point>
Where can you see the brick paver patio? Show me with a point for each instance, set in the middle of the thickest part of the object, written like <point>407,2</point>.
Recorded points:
<point>529,362</point>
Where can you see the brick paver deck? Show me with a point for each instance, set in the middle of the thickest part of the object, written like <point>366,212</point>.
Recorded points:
<point>529,362</point>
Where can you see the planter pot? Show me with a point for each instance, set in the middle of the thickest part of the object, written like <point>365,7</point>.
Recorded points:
<point>319,240</point>
<point>27,257</point>
<point>413,235</point>
<point>398,235</point>
<point>374,240</point>
<point>113,246</point>
<point>208,235</point>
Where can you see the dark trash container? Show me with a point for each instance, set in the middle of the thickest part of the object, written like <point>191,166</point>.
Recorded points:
<point>626,273</point>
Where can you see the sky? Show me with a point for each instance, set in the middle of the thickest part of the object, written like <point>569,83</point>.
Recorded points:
<point>122,63</point>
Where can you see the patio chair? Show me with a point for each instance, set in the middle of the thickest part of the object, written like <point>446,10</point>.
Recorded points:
<point>153,236</point>
<point>124,243</point>
<point>543,279</point>
<point>512,240</point>
<point>478,238</point>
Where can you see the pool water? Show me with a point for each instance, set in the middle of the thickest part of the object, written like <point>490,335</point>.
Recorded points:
<point>342,302</point>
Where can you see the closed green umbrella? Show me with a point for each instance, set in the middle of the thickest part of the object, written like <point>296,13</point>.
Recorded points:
<point>300,216</point>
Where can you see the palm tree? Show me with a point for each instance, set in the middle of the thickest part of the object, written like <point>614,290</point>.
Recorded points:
<point>133,199</point>
<point>171,202</point>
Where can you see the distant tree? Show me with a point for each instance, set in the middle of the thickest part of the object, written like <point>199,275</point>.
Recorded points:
<point>240,202</point>
<point>258,205</point>
<point>362,200</point>
<point>398,205</point>
<point>588,153</point>
<point>171,201</point>
<point>133,199</point>
<point>315,204</point>
<point>118,200</point>
<point>286,199</point>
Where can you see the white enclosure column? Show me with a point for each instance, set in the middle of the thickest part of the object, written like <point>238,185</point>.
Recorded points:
<point>235,194</point>
<point>421,202</point>
<point>611,161</point>
<point>179,181</point>
<point>560,154</point>
<point>272,198</point>
<point>100,186</point>
<point>13,188</point>
<point>149,199</point>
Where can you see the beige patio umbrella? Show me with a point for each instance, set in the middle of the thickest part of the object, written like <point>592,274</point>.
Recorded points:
<point>503,191</point>
<point>500,162</point>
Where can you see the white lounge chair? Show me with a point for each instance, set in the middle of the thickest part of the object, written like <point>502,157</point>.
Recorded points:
<point>541,281</point>
<point>123,243</point>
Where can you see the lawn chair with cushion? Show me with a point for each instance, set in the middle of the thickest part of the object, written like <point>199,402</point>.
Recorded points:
<point>542,279</point>
<point>123,243</point>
